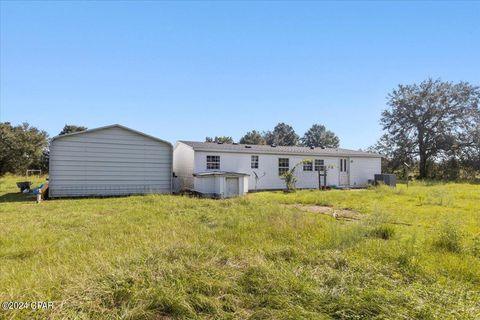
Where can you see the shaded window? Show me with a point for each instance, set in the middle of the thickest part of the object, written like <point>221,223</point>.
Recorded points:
<point>213,162</point>
<point>283,165</point>
<point>254,162</point>
<point>307,165</point>
<point>319,164</point>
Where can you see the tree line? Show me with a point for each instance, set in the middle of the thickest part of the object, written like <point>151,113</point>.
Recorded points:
<point>431,130</point>
<point>25,147</point>
<point>284,135</point>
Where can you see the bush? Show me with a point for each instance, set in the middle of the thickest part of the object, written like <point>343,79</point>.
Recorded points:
<point>383,231</point>
<point>475,249</point>
<point>448,239</point>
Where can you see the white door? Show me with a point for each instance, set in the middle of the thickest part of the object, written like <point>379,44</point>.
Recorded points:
<point>231,187</point>
<point>343,178</point>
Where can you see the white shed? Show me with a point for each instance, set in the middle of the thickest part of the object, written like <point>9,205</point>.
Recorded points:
<point>109,161</point>
<point>220,184</point>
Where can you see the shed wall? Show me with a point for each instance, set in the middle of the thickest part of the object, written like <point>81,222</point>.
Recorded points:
<point>111,161</point>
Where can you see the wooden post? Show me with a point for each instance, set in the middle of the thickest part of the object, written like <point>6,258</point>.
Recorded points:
<point>325,177</point>
<point>319,180</point>
<point>322,172</point>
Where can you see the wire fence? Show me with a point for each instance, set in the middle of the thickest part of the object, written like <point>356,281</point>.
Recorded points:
<point>31,172</point>
<point>105,190</point>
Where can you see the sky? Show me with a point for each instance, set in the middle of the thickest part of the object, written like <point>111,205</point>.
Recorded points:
<point>187,70</point>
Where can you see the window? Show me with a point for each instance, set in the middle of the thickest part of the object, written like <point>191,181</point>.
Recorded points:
<point>254,162</point>
<point>283,165</point>
<point>319,164</point>
<point>307,165</point>
<point>213,162</point>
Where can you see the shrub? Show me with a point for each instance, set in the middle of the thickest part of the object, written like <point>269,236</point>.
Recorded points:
<point>383,231</point>
<point>448,239</point>
<point>475,249</point>
<point>290,178</point>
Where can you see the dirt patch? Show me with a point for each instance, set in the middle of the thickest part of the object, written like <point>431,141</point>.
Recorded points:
<point>339,214</point>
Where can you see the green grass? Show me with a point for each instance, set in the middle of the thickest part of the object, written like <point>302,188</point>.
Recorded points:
<point>415,253</point>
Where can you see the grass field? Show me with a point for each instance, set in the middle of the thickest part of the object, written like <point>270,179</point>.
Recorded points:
<point>413,253</point>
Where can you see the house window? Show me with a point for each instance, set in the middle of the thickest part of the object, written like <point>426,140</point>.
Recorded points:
<point>283,165</point>
<point>307,165</point>
<point>213,162</point>
<point>319,164</point>
<point>254,162</point>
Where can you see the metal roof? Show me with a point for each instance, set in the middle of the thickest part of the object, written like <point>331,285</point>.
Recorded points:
<point>268,149</point>
<point>108,127</point>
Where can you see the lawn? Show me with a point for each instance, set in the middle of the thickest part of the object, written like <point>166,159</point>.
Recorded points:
<point>411,253</point>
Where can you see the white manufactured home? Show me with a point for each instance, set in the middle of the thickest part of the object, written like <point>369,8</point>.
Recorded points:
<point>109,161</point>
<point>264,165</point>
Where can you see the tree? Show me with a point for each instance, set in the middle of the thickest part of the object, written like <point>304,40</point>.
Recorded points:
<point>290,178</point>
<point>71,128</point>
<point>282,135</point>
<point>470,154</point>
<point>21,147</point>
<point>253,137</point>
<point>430,120</point>
<point>395,158</point>
<point>221,139</point>
<point>319,136</point>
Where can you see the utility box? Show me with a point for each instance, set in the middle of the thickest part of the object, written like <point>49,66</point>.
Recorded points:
<point>387,179</point>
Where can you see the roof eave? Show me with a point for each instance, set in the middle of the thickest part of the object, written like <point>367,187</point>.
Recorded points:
<point>366,155</point>
<point>108,127</point>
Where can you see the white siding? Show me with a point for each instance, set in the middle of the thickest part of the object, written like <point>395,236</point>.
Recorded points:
<point>183,166</point>
<point>215,186</point>
<point>209,185</point>
<point>268,164</point>
<point>362,169</point>
<point>109,161</point>
<point>187,162</point>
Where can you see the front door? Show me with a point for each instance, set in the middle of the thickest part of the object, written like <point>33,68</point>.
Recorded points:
<point>231,187</point>
<point>343,179</point>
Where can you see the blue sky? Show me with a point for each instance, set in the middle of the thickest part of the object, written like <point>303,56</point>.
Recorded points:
<point>187,70</point>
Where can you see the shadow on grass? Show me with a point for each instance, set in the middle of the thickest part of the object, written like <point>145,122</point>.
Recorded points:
<point>17,197</point>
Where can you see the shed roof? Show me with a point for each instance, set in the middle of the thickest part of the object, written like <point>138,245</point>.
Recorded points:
<point>108,127</point>
<point>220,173</point>
<point>268,149</point>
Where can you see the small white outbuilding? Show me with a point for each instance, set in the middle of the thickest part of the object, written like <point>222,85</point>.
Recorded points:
<point>109,161</point>
<point>220,184</point>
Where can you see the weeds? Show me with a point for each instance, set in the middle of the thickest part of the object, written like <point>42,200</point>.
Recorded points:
<point>448,239</point>
<point>172,257</point>
<point>475,248</point>
<point>384,232</point>
<point>408,256</point>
